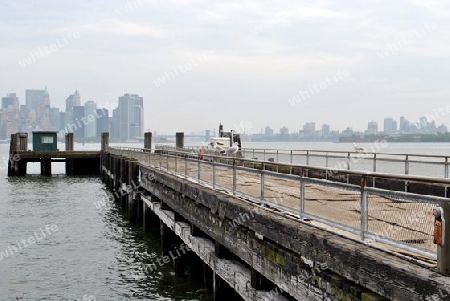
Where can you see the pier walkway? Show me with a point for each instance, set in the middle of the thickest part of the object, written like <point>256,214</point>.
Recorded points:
<point>401,221</point>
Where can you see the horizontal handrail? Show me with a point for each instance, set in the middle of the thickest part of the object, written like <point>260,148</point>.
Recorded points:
<point>410,178</point>
<point>435,165</point>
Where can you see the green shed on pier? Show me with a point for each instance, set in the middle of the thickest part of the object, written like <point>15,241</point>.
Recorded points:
<point>44,141</point>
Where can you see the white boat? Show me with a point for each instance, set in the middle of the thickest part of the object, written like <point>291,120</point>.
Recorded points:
<point>220,145</point>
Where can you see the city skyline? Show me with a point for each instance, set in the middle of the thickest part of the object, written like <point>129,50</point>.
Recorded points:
<point>74,100</point>
<point>85,119</point>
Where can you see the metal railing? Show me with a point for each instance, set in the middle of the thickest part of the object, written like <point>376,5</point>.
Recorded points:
<point>399,219</point>
<point>417,164</point>
<point>406,164</point>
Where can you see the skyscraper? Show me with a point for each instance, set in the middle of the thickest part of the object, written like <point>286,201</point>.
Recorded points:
<point>78,116</point>
<point>130,117</point>
<point>390,126</point>
<point>102,122</point>
<point>11,102</point>
<point>54,119</point>
<point>90,128</point>
<point>37,103</point>
<point>372,128</point>
<point>72,101</point>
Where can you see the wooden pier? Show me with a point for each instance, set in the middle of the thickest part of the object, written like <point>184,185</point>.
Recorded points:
<point>76,162</point>
<point>245,249</point>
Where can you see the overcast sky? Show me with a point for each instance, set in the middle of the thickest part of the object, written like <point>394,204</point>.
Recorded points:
<point>241,61</point>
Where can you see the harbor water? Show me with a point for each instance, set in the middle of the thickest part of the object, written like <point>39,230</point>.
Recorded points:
<point>57,243</point>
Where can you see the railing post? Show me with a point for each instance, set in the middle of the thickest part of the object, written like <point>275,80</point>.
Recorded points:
<point>290,161</point>
<point>253,155</point>
<point>160,160</point>
<point>198,171</point>
<point>214,174</point>
<point>407,165</point>
<point>406,172</point>
<point>277,156</point>
<point>234,177</point>
<point>302,193</point>
<point>185,166</point>
<point>176,163</point>
<point>374,168</point>
<point>348,161</point>
<point>167,161</point>
<point>307,158</point>
<point>364,208</point>
<point>264,152</point>
<point>348,167</point>
<point>326,165</point>
<point>446,168</point>
<point>262,181</point>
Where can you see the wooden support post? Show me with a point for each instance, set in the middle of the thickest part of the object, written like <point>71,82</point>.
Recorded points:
<point>22,167</point>
<point>148,140</point>
<point>116,175</point>
<point>69,142</point>
<point>208,276</point>
<point>111,170</point>
<point>12,167</point>
<point>132,185</point>
<point>147,215</point>
<point>124,188</point>
<point>140,208</point>
<point>166,238</point>
<point>70,165</point>
<point>179,140</point>
<point>23,141</point>
<point>46,167</point>
<point>178,265</point>
<point>105,141</point>
<point>194,266</point>
<point>222,291</point>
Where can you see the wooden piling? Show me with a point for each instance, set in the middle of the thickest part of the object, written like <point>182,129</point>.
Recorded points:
<point>179,140</point>
<point>132,186</point>
<point>208,275</point>
<point>148,140</point>
<point>69,142</point>
<point>166,238</point>
<point>178,265</point>
<point>22,141</point>
<point>123,184</point>
<point>46,167</point>
<point>105,141</point>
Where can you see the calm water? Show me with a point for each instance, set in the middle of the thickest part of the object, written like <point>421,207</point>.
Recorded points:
<point>94,253</point>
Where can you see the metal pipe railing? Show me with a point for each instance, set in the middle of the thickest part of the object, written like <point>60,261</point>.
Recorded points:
<point>365,195</point>
<point>436,165</point>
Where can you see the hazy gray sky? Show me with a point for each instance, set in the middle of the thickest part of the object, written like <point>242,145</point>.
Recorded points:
<point>241,61</point>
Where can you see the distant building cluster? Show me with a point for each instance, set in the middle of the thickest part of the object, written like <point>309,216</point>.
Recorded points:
<point>307,133</point>
<point>86,122</point>
<point>425,125</point>
<point>391,128</point>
